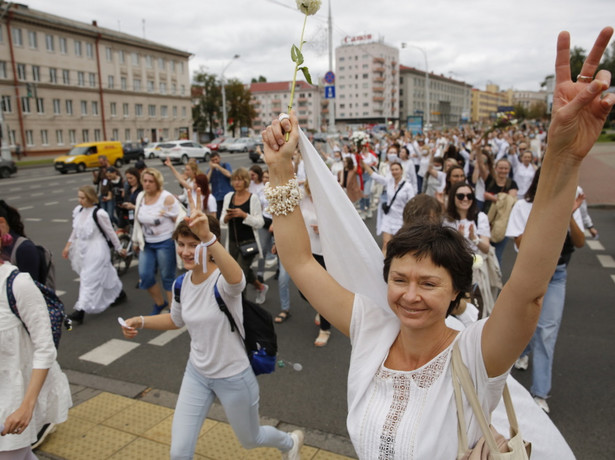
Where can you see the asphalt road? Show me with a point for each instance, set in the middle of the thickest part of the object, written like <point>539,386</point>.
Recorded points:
<point>583,398</point>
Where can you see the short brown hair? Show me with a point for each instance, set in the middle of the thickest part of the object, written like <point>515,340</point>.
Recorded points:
<point>241,173</point>
<point>422,209</point>
<point>183,229</point>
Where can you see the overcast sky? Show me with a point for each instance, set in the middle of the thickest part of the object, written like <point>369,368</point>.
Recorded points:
<point>510,43</point>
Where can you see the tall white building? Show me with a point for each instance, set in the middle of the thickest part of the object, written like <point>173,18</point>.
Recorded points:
<point>367,80</point>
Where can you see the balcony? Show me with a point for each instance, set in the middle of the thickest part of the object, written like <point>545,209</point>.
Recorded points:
<point>325,111</point>
<point>378,99</point>
<point>378,89</point>
<point>378,69</point>
<point>378,79</point>
<point>378,60</point>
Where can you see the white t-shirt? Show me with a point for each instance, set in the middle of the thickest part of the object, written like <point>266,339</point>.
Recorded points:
<point>409,414</point>
<point>158,220</point>
<point>309,217</point>
<point>482,229</point>
<point>215,351</point>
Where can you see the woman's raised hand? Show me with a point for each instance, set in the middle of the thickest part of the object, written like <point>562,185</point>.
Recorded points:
<point>579,111</point>
<point>278,152</point>
<point>198,220</point>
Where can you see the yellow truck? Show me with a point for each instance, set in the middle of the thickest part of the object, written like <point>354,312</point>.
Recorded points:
<point>83,156</point>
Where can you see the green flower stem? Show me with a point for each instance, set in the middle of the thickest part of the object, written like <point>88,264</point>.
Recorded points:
<point>292,87</point>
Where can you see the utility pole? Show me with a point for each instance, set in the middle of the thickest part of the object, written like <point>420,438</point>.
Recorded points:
<point>332,103</point>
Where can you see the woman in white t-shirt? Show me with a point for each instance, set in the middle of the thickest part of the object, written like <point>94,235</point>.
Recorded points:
<point>400,392</point>
<point>218,366</point>
<point>463,215</point>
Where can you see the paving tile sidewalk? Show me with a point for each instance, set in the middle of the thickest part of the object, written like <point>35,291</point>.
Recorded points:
<point>116,420</point>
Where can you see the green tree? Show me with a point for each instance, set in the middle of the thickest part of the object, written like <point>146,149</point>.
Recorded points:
<point>608,60</point>
<point>206,113</point>
<point>520,112</point>
<point>239,107</point>
<point>537,111</point>
<point>260,79</point>
<point>577,57</point>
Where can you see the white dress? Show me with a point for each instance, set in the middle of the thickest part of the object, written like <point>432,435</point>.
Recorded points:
<point>21,352</point>
<point>99,284</point>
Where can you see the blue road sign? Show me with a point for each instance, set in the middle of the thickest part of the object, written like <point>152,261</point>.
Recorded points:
<point>330,77</point>
<point>329,92</point>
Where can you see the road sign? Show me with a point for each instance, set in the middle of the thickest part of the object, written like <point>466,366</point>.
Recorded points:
<point>330,77</point>
<point>329,92</point>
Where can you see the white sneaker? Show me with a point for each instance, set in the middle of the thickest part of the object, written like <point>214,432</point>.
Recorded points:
<point>369,214</point>
<point>522,363</point>
<point>260,296</point>
<point>322,339</point>
<point>295,452</point>
<point>271,262</point>
<point>542,403</point>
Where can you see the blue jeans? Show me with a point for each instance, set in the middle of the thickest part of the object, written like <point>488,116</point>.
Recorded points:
<point>499,249</point>
<point>364,202</point>
<point>542,345</point>
<point>157,256</point>
<point>238,395</point>
<point>283,282</point>
<point>109,207</point>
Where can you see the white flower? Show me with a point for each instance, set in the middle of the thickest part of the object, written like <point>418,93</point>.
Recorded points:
<point>359,138</point>
<point>309,7</point>
<point>478,261</point>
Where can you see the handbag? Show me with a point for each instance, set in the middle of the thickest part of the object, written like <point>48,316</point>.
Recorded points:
<point>248,248</point>
<point>492,445</point>
<point>386,207</point>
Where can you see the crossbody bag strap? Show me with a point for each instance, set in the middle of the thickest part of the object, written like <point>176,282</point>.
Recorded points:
<point>461,373</point>
<point>16,245</point>
<point>224,308</point>
<point>11,297</point>
<point>396,192</point>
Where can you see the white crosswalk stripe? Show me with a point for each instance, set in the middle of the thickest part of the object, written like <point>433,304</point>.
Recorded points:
<point>606,261</point>
<point>109,351</point>
<point>594,245</point>
<point>166,337</point>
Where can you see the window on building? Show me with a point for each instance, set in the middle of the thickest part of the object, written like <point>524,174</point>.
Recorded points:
<point>32,39</point>
<point>72,136</point>
<point>59,137</point>
<point>12,136</point>
<point>122,56</point>
<point>138,110</point>
<point>21,72</point>
<point>84,107</point>
<point>127,135</point>
<point>89,50</point>
<point>163,88</point>
<point>123,83</point>
<point>149,61</point>
<point>125,109</point>
<point>173,63</point>
<point>109,54</point>
<point>136,83</point>
<point>44,137</point>
<point>164,111</point>
<point>115,134</point>
<point>113,107</point>
<point>63,45</point>
<point>162,64</point>
<point>80,79</point>
<point>50,42</point>
<point>182,90</point>
<point>66,76</point>
<point>78,51</point>
<point>174,111</point>
<point>69,106</point>
<point>174,88</point>
<point>25,104</point>
<point>97,135</point>
<point>3,69</point>
<point>85,135</point>
<point>135,58</point>
<point>56,106</point>
<point>183,112</point>
<point>7,105</point>
<point>92,78</point>
<point>29,137</point>
<point>53,75</point>
<point>151,110</point>
<point>94,107</point>
<point>17,36</point>
<point>36,73</point>
<point>110,81</point>
<point>181,67</point>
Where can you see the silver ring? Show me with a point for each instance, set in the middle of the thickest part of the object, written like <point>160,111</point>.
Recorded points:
<point>283,116</point>
<point>585,78</point>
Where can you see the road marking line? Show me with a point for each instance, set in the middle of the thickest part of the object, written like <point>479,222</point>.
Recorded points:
<point>25,207</point>
<point>60,221</point>
<point>37,194</point>
<point>51,203</point>
<point>17,189</point>
<point>60,293</point>
<point>77,280</point>
<point>606,261</point>
<point>594,245</point>
<point>166,337</point>
<point>33,219</point>
<point>53,183</point>
<point>35,186</point>
<point>12,198</point>
<point>73,199</point>
<point>109,351</point>
<point>613,277</point>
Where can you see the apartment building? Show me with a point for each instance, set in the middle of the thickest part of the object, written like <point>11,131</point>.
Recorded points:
<point>485,103</point>
<point>367,80</point>
<point>269,99</point>
<point>64,82</point>
<point>449,99</point>
<point>527,99</point>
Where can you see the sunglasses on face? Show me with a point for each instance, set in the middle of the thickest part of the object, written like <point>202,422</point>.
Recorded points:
<point>461,196</point>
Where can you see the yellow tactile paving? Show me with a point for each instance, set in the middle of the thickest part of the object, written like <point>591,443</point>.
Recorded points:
<point>101,407</point>
<point>162,431</point>
<point>138,418</point>
<point>74,428</point>
<point>325,455</point>
<point>219,443</point>
<point>143,449</point>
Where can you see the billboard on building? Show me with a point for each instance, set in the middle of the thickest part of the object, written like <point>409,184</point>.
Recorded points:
<point>414,124</point>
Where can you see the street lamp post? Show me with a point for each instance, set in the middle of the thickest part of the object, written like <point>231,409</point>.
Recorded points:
<point>224,123</point>
<point>428,110</point>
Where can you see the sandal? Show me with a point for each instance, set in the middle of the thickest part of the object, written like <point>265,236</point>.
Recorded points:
<point>322,339</point>
<point>282,316</point>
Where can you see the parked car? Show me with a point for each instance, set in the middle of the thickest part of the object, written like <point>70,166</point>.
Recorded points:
<point>133,151</point>
<point>7,167</point>
<point>182,151</point>
<point>215,144</point>
<point>85,155</point>
<point>223,147</point>
<point>243,144</point>
<point>152,150</point>
<point>255,155</point>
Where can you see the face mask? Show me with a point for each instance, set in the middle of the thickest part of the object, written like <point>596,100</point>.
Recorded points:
<point>438,168</point>
<point>6,240</point>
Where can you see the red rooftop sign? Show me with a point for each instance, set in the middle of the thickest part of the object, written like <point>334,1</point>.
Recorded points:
<point>357,38</point>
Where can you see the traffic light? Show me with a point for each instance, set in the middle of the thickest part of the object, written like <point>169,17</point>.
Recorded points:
<point>29,91</point>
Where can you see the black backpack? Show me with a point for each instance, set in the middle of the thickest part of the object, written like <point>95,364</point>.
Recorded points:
<point>260,341</point>
<point>47,269</point>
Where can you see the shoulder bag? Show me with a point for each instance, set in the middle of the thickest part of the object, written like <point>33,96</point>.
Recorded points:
<point>386,207</point>
<point>492,445</point>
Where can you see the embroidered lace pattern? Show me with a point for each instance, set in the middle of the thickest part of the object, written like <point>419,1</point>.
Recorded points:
<point>403,384</point>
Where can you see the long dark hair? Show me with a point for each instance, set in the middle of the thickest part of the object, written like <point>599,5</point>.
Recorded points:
<point>13,218</point>
<point>203,183</point>
<point>451,209</point>
<point>448,185</point>
<point>531,192</point>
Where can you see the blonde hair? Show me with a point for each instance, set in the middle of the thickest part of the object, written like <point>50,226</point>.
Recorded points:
<point>242,173</point>
<point>90,193</point>
<point>157,175</point>
<point>194,167</point>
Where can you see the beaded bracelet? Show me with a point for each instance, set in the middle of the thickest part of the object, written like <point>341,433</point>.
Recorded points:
<point>283,199</point>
